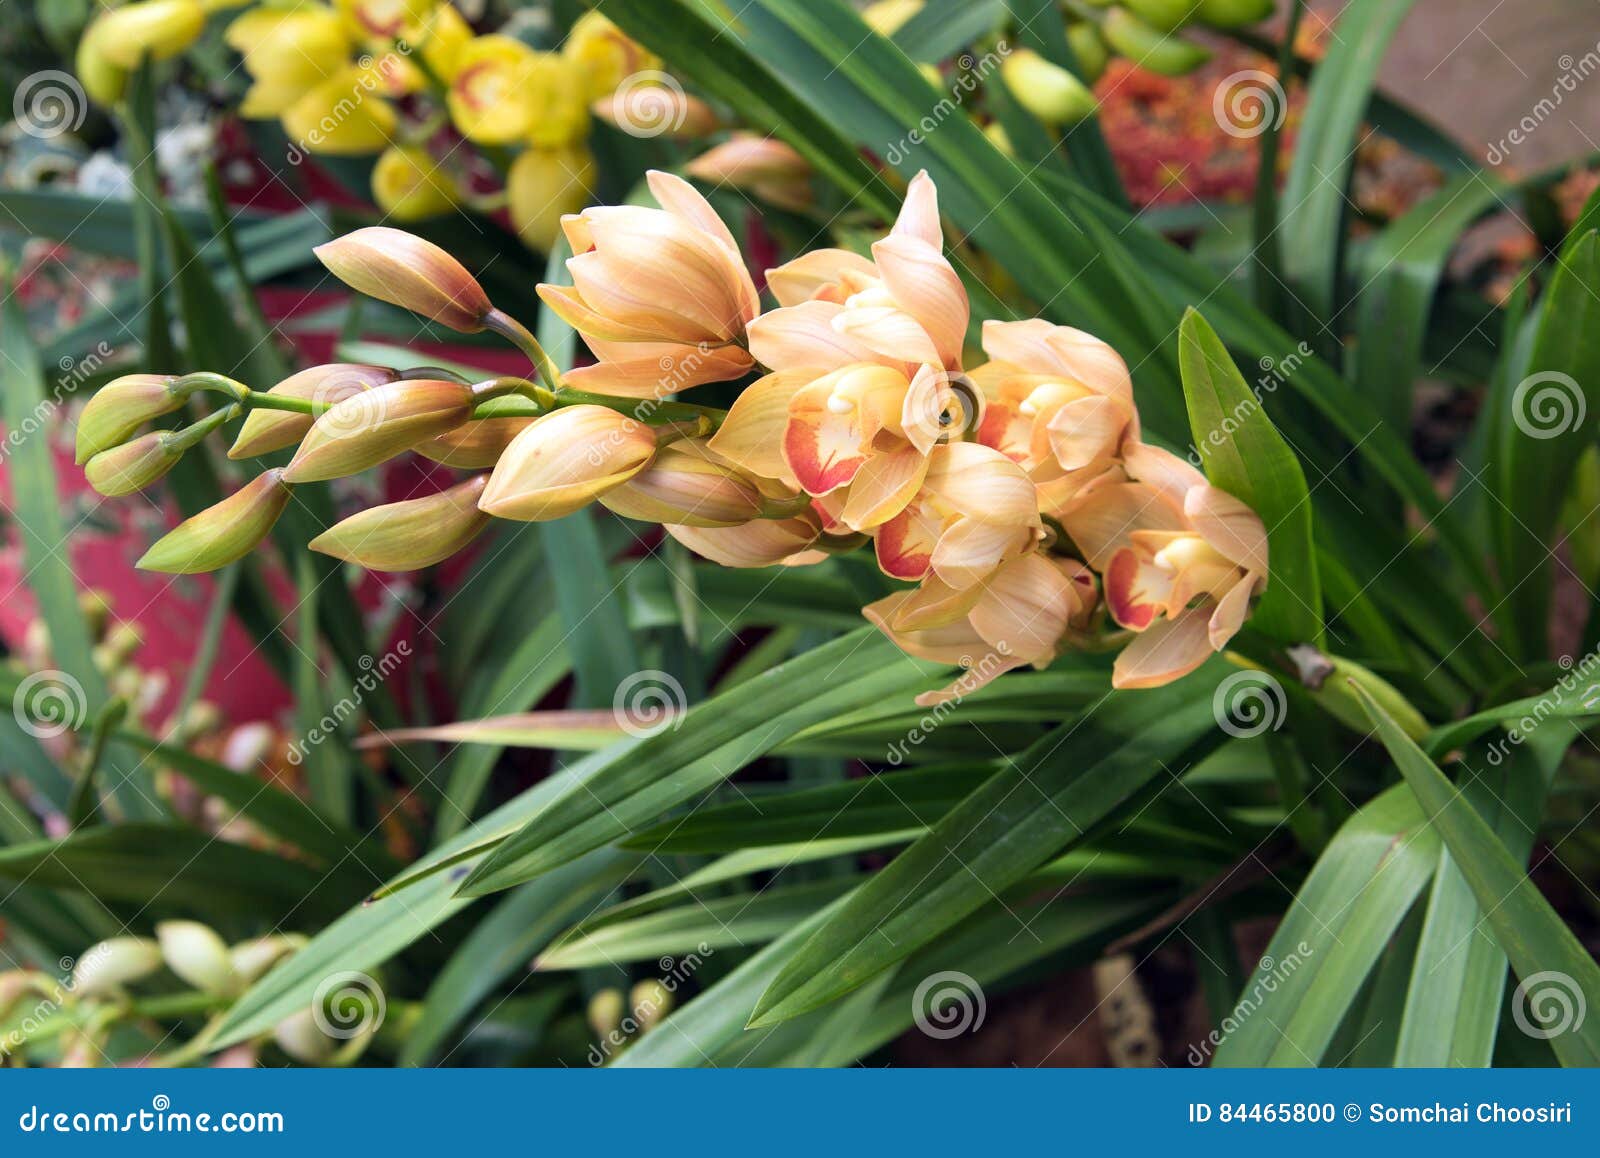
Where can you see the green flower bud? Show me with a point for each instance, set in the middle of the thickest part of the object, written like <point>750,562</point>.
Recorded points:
<point>409,535</point>
<point>119,408</point>
<point>131,467</point>
<point>1090,50</point>
<point>1046,90</point>
<point>651,1002</point>
<point>220,534</point>
<point>111,964</point>
<point>1232,13</point>
<point>265,430</point>
<point>196,954</point>
<point>605,1012</point>
<point>1165,53</point>
<point>1162,15</point>
<point>376,424</point>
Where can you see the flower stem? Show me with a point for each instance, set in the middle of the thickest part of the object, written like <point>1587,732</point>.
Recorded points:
<point>519,336</point>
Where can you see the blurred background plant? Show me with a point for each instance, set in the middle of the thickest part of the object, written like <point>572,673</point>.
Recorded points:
<point>623,801</point>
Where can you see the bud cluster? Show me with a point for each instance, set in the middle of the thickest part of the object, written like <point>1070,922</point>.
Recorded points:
<point>1012,491</point>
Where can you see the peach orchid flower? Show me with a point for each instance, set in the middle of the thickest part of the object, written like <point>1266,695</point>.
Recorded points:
<point>1059,403</point>
<point>864,361</point>
<point>1181,560</point>
<point>661,296</point>
<point>1024,613</point>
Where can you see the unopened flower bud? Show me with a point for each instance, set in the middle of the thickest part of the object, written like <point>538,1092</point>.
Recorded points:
<point>222,533</point>
<point>651,1002</point>
<point>1160,52</point>
<point>1089,49</point>
<point>409,185</point>
<point>196,954</point>
<point>566,460</point>
<point>299,1036</point>
<point>131,467</point>
<point>765,166</point>
<point>376,424</point>
<point>409,535</point>
<point>119,408</point>
<point>151,29</point>
<point>251,959</point>
<point>758,543</point>
<point>1046,90</point>
<point>404,270</point>
<point>1232,13</point>
<point>656,110</point>
<point>687,486</point>
<point>605,1012</point>
<point>104,967</point>
<point>265,430</point>
<point>477,445</point>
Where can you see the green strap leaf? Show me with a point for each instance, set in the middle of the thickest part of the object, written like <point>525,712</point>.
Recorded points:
<point>1333,934</point>
<point>1246,456</point>
<point>1043,802</point>
<point>1542,949</point>
<point>643,779</point>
